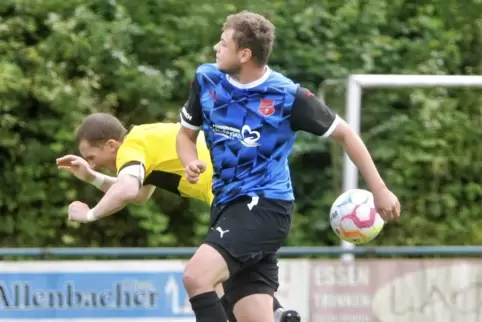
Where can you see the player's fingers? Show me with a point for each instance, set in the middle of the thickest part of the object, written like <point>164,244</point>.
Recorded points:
<point>76,162</point>
<point>68,157</point>
<point>193,178</point>
<point>193,168</point>
<point>385,214</point>
<point>396,212</point>
<point>64,167</point>
<point>190,173</point>
<point>202,167</point>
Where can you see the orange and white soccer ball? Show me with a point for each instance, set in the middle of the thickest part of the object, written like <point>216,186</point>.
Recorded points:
<point>354,218</point>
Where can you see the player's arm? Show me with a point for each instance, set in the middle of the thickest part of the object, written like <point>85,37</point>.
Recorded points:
<point>124,191</point>
<point>191,121</point>
<point>144,195</point>
<point>101,181</point>
<point>310,114</point>
<point>105,182</point>
<point>80,168</point>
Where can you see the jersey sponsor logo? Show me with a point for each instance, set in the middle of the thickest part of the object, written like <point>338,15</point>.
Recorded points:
<point>248,137</point>
<point>186,114</point>
<point>266,107</point>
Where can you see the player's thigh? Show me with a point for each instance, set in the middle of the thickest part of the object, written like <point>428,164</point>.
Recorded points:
<point>204,270</point>
<point>254,308</point>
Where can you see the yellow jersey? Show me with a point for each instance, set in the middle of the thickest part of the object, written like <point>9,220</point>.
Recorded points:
<point>154,146</point>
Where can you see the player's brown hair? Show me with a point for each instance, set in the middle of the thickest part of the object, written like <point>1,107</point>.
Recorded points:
<point>254,32</point>
<point>98,128</point>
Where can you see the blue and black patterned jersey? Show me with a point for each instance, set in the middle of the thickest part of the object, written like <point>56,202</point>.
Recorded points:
<point>250,130</point>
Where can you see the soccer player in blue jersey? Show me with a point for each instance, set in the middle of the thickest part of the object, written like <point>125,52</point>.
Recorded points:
<point>250,115</point>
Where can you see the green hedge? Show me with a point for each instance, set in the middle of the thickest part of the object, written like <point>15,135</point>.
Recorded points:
<point>60,60</point>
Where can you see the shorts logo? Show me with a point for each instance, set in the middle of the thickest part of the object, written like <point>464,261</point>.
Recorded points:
<point>221,231</point>
<point>248,137</point>
<point>266,107</point>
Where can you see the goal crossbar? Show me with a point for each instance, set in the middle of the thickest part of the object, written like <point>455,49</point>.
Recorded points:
<point>355,85</point>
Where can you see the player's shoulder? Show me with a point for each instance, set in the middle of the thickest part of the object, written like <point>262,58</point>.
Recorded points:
<point>146,131</point>
<point>277,79</point>
<point>209,73</point>
<point>207,68</point>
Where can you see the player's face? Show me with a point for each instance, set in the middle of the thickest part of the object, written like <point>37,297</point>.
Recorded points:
<point>230,58</point>
<point>99,156</point>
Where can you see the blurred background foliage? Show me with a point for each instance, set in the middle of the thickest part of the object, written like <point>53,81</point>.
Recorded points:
<point>61,60</point>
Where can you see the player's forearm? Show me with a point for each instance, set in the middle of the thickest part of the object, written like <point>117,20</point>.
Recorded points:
<point>359,155</point>
<point>102,181</point>
<point>114,200</point>
<point>186,147</point>
<point>108,183</point>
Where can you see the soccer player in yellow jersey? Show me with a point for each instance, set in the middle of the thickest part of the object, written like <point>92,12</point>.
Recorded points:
<point>143,158</point>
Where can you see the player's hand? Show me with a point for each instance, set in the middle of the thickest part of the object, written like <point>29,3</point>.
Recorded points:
<point>194,169</point>
<point>78,211</point>
<point>77,166</point>
<point>387,204</point>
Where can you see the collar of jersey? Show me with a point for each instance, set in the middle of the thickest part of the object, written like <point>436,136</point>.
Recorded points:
<point>252,84</point>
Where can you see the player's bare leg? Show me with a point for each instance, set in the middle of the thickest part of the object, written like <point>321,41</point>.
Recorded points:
<point>255,308</point>
<point>280,313</point>
<point>204,270</point>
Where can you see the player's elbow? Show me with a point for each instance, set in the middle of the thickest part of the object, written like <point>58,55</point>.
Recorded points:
<point>343,133</point>
<point>129,194</point>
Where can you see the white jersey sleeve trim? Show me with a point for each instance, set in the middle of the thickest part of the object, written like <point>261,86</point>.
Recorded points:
<point>332,127</point>
<point>187,125</point>
<point>135,170</point>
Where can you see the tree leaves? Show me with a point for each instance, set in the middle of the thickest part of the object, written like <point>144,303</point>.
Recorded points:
<point>60,61</point>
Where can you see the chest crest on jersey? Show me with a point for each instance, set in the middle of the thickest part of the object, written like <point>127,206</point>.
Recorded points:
<point>266,107</point>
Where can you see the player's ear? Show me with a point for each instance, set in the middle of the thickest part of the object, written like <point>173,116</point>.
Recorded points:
<point>246,55</point>
<point>112,144</point>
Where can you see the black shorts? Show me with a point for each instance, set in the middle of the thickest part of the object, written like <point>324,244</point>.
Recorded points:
<point>248,238</point>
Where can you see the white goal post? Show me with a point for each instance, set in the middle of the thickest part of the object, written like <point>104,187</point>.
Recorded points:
<point>355,85</point>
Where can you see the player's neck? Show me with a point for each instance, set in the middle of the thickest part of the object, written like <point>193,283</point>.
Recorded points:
<point>249,75</point>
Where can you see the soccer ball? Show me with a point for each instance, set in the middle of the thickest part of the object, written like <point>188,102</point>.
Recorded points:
<point>354,218</point>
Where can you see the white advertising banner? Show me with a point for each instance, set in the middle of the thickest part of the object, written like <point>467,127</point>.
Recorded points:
<point>392,290</point>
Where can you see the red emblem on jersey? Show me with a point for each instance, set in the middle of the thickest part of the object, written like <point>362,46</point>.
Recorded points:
<point>266,107</point>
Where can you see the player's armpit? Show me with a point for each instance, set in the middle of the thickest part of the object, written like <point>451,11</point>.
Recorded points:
<point>144,194</point>
<point>312,115</point>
